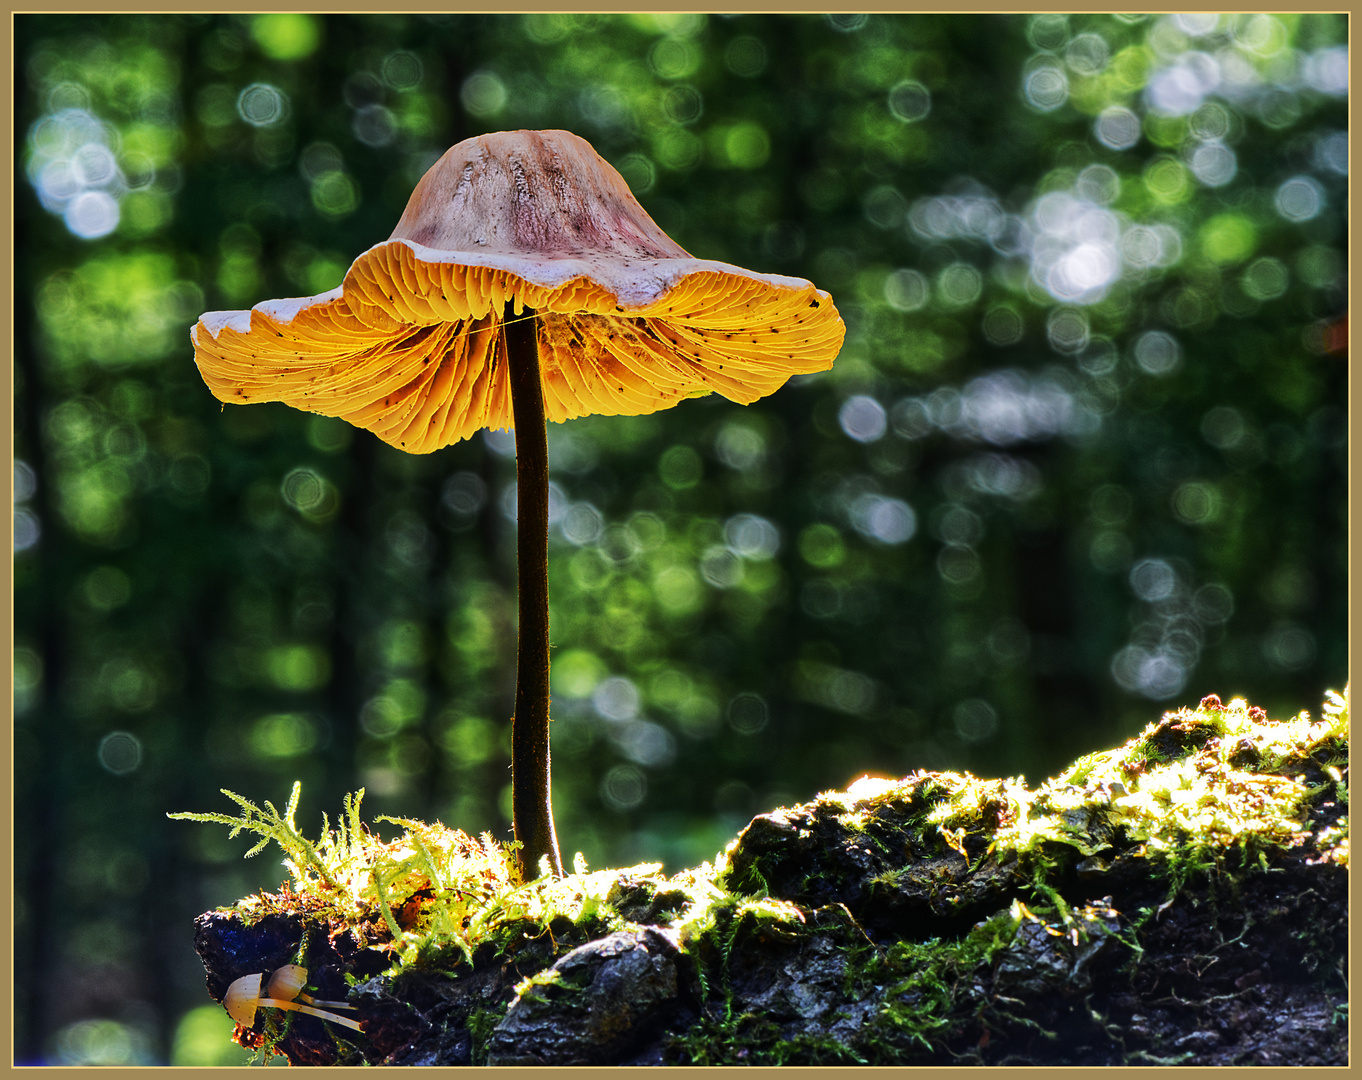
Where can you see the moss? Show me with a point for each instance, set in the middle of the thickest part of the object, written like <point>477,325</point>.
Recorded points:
<point>1201,793</point>
<point>1196,788</point>
<point>481,1023</point>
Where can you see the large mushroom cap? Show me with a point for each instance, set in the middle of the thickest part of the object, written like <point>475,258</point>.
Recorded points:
<point>627,322</point>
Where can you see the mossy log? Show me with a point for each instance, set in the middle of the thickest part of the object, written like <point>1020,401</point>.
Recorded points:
<point>1179,900</point>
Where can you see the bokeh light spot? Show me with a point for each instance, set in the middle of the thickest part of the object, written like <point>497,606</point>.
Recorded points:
<point>906,290</point>
<point>910,101</point>
<point>1046,88</point>
<point>1157,353</point>
<point>1166,180</point>
<point>286,36</point>
<point>262,105</point>
<point>745,56</point>
<point>92,214</point>
<point>120,753</point>
<point>1003,326</point>
<point>101,1042</point>
<point>680,467</point>
<point>1213,163</point>
<point>862,418</point>
<point>1196,502</point>
<point>888,520</point>
<point>1266,279</point>
<point>1228,238</point>
<point>975,720</point>
<point>283,735</point>
<point>623,788</point>
<point>402,70</point>
<point>747,145</point>
<point>959,285</point>
<point>483,94</point>
<point>1299,199</point>
<point>1153,579</point>
<point>748,713</point>
<point>821,546</point>
<point>1117,128</point>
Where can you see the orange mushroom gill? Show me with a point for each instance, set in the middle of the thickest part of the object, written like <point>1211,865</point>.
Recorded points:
<point>627,321</point>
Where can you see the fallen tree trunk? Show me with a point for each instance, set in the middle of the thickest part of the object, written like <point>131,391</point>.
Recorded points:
<point>1182,899</point>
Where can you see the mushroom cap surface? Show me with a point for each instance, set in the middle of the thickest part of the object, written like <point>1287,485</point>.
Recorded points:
<point>287,982</point>
<point>627,321</point>
<point>243,999</point>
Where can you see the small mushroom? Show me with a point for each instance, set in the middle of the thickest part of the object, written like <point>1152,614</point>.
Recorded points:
<point>523,283</point>
<point>287,982</point>
<point>243,998</point>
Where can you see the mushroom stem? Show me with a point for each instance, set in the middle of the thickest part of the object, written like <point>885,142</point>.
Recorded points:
<point>276,1004</point>
<point>532,807</point>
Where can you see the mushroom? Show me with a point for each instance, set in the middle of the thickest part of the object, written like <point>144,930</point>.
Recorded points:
<point>524,282</point>
<point>287,982</point>
<point>243,998</point>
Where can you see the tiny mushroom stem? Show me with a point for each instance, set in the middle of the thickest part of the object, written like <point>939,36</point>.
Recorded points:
<point>243,999</point>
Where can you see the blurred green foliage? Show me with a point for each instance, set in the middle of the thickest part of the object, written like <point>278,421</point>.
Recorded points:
<point>1082,455</point>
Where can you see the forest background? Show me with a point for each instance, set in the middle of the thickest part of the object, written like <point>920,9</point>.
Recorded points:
<point>1082,457</point>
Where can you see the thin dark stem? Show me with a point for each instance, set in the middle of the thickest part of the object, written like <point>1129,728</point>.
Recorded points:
<point>532,806</point>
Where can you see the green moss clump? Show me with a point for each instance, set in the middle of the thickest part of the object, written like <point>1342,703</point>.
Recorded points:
<point>431,896</point>
<point>1216,789</point>
<point>1193,788</point>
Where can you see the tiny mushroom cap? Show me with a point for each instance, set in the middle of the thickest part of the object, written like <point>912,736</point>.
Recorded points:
<point>243,1000</point>
<point>627,321</point>
<point>287,982</point>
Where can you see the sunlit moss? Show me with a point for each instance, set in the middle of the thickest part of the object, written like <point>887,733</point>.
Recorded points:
<point>1192,786</point>
<point>429,897</point>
